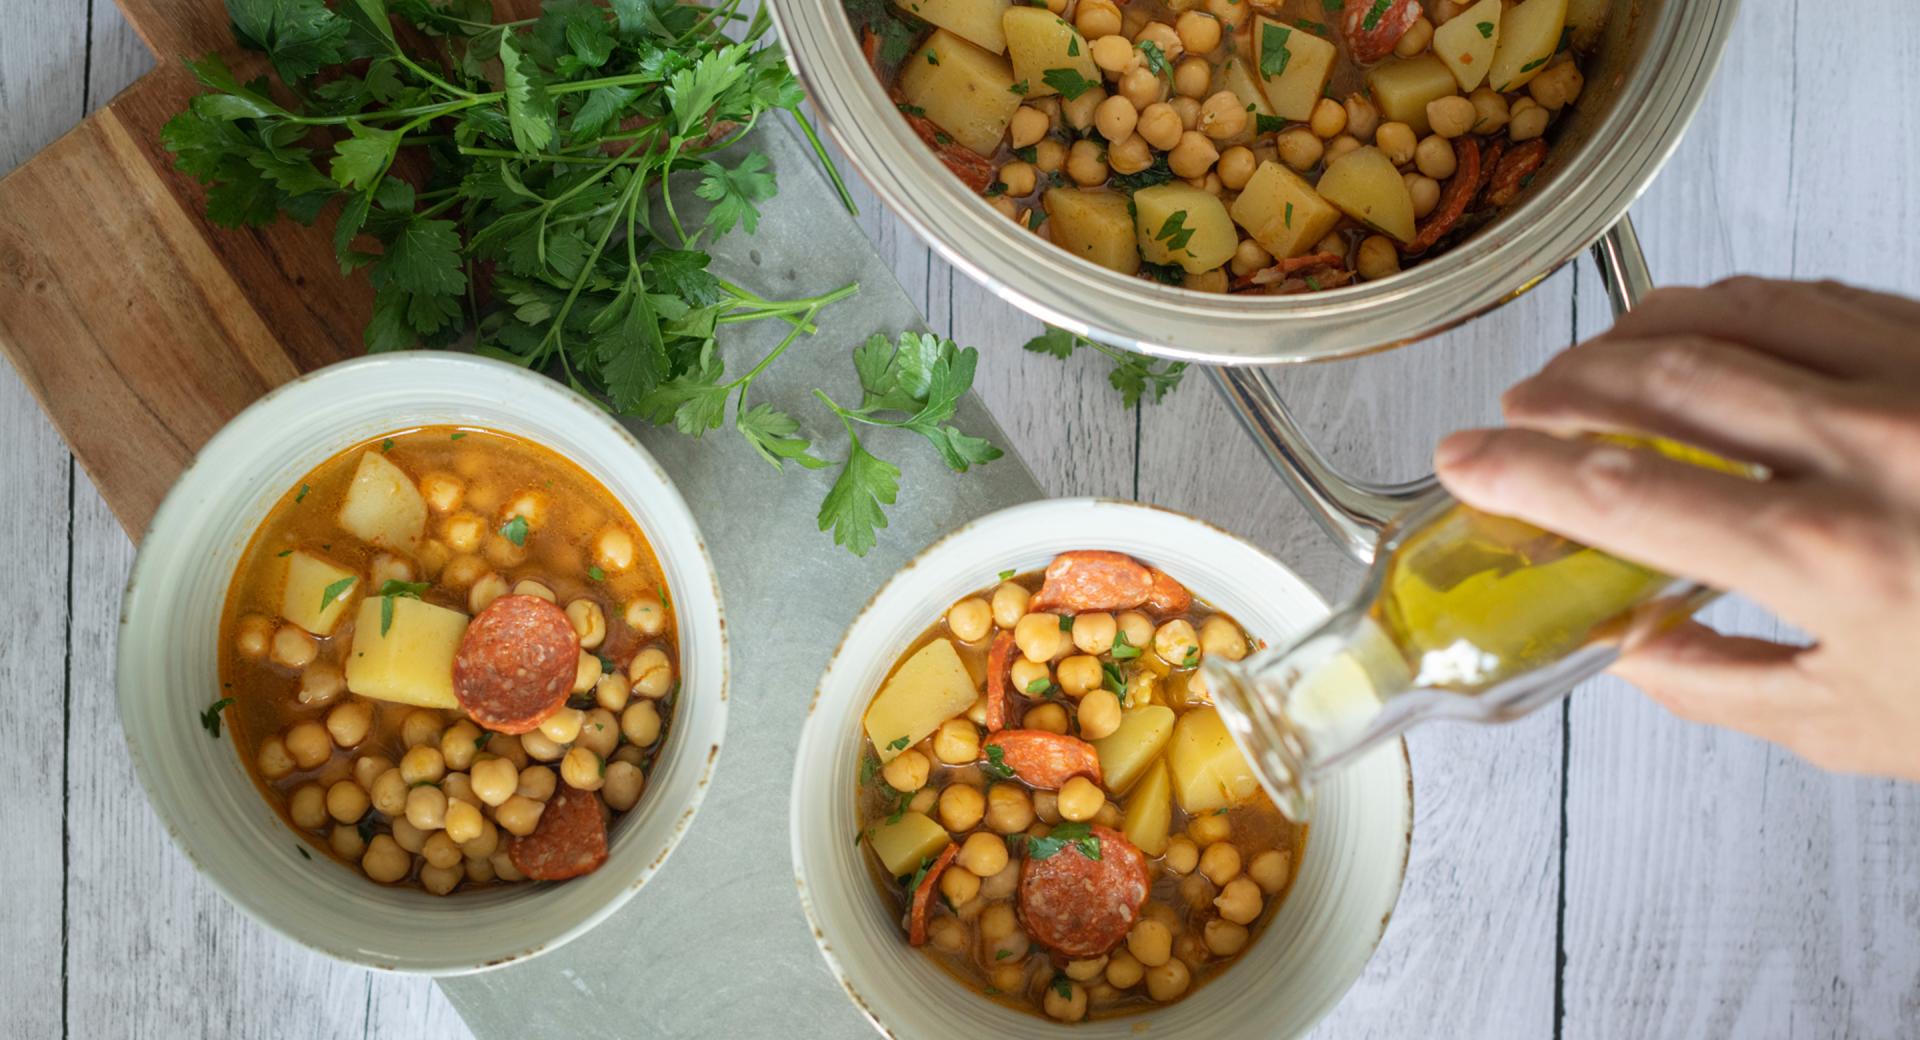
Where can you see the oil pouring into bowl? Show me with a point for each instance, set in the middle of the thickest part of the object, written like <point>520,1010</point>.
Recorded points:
<point>1463,615</point>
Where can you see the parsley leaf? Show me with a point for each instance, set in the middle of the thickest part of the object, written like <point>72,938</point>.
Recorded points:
<point>515,529</point>
<point>1123,650</point>
<point>996,764</point>
<point>210,718</point>
<point>1174,232</point>
<point>298,36</point>
<point>734,192</point>
<point>1486,30</point>
<point>1156,59</point>
<point>1039,687</point>
<point>774,434</point>
<point>1069,82</point>
<point>392,588</point>
<point>1134,376</point>
<point>1274,55</point>
<point>334,591</point>
<point>855,507</point>
<point>1113,678</point>
<point>1078,835</point>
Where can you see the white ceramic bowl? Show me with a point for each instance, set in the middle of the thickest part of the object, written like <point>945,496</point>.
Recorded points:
<point>167,671</point>
<point>1312,950</point>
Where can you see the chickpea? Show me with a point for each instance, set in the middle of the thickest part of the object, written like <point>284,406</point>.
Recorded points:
<point>441,880</point>
<point>1363,118</point>
<point>1397,140</point>
<point>346,801</point>
<point>1557,87</point>
<point>651,673</point>
<point>540,747</point>
<point>1450,116</point>
<point>1048,718</point>
<point>1009,600</point>
<point>442,491</point>
<point>1199,33</point>
<point>1425,193</point>
<point>1029,678</point>
<point>1489,111</point>
<point>924,800</point>
<point>611,691</point>
<point>1028,126</point>
<point>1223,115</point>
<point>1079,674</point>
<point>347,724</point>
<point>347,843</point>
<point>1220,637</point>
<point>970,620</point>
<point>1236,167</point>
<point>1081,799</point>
<point>494,780</point>
<point>1417,38</point>
<point>1192,77</point>
<point>599,732</point>
<point>997,922</point>
<point>389,792</point>
<point>385,861</point>
<point>1220,862</point>
<point>1046,805</point>
<point>1039,637</point>
<point>1208,829</point>
<point>1378,258</point>
<point>1444,11</point>
<point>563,726</point>
<point>1009,810</point>
<point>463,570</point>
<point>1300,149</point>
<point>409,837</point>
<point>439,852</point>
<point>1099,714</point>
<point>1114,54</point>
<point>292,647</point>
<point>1327,119</point>
<point>307,806</point>
<point>459,788</point>
<point>463,532</point>
<point>1124,970</point>
<point>479,871</point>
<point>1434,158</point>
<point>1049,155</point>
<point>959,885</point>
<point>1228,12</point>
<point>503,867</point>
<point>1070,1008</point>
<point>645,615</point>
<point>1159,126</point>
<point>252,636</point>
<point>1142,87</point>
<point>427,808</point>
<point>1527,120</point>
<point>1018,178</point>
<point>1224,938</point>
<point>583,770</point>
<point>982,853</point>
<point>1137,627</point>
<point>307,744</point>
<point>1086,970</point>
<point>423,763</point>
<point>1177,644</point>
<point>367,769</point>
<point>1196,890</point>
<point>640,723</point>
<point>622,786</point>
<point>482,844</point>
<point>321,683</point>
<point>1248,257</point>
<point>1003,884</point>
<point>1239,901</point>
<point>519,816</point>
<point>907,772</point>
<point>1116,118</point>
<point>504,554</point>
<point>388,567</point>
<point>1182,855</point>
<point>1150,942</point>
<point>1163,36</point>
<point>947,933</point>
<point>421,726</point>
<point>537,783</point>
<point>1340,147</point>
<point>956,742</point>
<point>587,672</point>
<point>1096,18</point>
<point>1193,156</point>
<point>432,556</point>
<point>1168,981</point>
<point>1078,113</point>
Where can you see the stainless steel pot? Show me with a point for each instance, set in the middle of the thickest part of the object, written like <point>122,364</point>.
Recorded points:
<point>1644,83</point>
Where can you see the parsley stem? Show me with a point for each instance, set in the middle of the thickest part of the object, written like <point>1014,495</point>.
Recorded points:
<point>833,171</point>
<point>582,160</point>
<point>424,73</point>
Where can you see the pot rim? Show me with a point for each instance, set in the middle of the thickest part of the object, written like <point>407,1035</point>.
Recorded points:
<point>1655,105</point>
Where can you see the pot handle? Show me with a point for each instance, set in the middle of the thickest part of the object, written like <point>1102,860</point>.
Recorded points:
<point>1351,512</point>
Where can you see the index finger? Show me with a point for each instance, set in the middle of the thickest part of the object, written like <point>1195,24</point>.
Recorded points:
<point>1824,327</point>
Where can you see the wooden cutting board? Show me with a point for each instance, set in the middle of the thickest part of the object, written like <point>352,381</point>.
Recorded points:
<point>141,327</point>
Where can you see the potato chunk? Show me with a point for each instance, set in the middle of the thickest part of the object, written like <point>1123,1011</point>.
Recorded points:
<point>1295,65</point>
<point>1178,223</point>
<point>1467,43</point>
<point>978,21</point>
<point>907,842</point>
<point>412,661</point>
<point>1529,35</point>
<point>1150,811</point>
<point>313,597</point>
<point>1093,225</point>
<point>927,689</point>
<point>1039,41</point>
<point>1206,766</point>
<point>1364,184</point>
<point>1403,87</point>
<point>962,89</point>
<point>1235,76</point>
<point>1126,753</point>
<point>1587,19</point>
<point>1283,212</point>
<point>383,507</point>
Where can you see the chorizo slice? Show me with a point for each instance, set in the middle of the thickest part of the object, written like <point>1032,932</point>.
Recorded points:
<point>923,896</point>
<point>1461,188</point>
<point>999,663</point>
<point>1093,579</point>
<point>1081,907</point>
<point>1374,27</point>
<point>1167,596</point>
<point>1510,177</point>
<point>1043,760</point>
<point>570,839</point>
<point>516,664</point>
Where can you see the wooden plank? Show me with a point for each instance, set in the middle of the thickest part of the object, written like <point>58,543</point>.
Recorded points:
<point>1472,941</point>
<point>1717,886</point>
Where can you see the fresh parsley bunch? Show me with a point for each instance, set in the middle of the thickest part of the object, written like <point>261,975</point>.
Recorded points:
<point>1133,375</point>
<point>530,164</point>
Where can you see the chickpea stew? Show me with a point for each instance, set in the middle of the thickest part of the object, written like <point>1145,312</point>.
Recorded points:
<point>1247,146</point>
<point>448,657</point>
<point>1054,806</point>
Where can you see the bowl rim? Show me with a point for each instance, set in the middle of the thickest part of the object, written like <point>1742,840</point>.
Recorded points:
<point>531,388</point>
<point>907,571</point>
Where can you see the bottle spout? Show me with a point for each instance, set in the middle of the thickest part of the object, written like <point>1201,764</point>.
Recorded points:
<point>1352,513</point>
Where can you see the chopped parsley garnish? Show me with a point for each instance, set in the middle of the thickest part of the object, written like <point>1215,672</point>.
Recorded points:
<point>1265,124</point>
<point>1274,54</point>
<point>515,530</point>
<point>302,496</point>
<point>1073,45</point>
<point>1113,678</point>
<point>1006,574</point>
<point>869,766</point>
<point>386,445</point>
<point>1078,835</point>
<point>1312,283</point>
<point>595,573</point>
<point>210,719</point>
<point>1157,62</point>
<point>1123,648</point>
<point>1374,14</point>
<point>302,850</point>
<point>480,742</point>
<point>1536,63</point>
<point>457,436</point>
<point>1066,622</point>
<point>335,591</point>
<point>1332,6</point>
<point>932,58</point>
<point>900,807</point>
<point>1039,687</point>
<point>1174,231</point>
<point>912,110</point>
<point>1036,217</point>
<point>392,588</point>
<point>284,552</point>
<point>1002,955</point>
<point>1192,659</point>
<point>365,827</point>
<point>1061,986</point>
<point>423,783</point>
<point>1486,30</point>
<point>996,765</point>
<point>1315,27</point>
<point>899,744</point>
<point>1069,82</point>
<point>1020,88</point>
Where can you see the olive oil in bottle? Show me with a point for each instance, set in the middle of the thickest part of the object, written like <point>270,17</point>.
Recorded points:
<point>1463,615</point>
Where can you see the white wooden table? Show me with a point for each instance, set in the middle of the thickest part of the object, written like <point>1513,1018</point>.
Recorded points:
<point>1598,870</point>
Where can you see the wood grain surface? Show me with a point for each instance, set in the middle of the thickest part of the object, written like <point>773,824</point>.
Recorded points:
<point>1598,870</point>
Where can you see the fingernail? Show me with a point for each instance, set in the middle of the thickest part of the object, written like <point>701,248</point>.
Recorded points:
<point>1459,449</point>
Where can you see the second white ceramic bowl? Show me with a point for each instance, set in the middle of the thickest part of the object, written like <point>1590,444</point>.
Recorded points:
<point>1312,950</point>
<point>168,673</point>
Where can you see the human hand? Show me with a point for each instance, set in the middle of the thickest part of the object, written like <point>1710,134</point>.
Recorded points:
<point>1821,384</point>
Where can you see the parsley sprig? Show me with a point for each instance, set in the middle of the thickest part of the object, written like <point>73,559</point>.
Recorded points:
<point>1078,835</point>
<point>1133,375</point>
